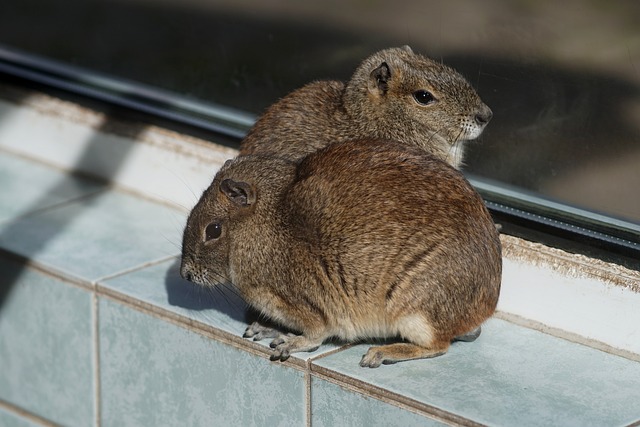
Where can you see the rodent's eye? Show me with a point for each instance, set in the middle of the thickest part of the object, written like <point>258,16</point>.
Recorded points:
<point>213,231</point>
<point>423,97</point>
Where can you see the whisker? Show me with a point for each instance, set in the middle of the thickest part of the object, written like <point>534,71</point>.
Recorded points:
<point>219,282</point>
<point>195,293</point>
<point>230,296</point>
<point>172,202</point>
<point>436,133</point>
<point>171,242</point>
<point>229,287</point>
<point>433,134</point>
<point>186,185</point>
<point>457,149</point>
<point>219,291</point>
<point>234,301</point>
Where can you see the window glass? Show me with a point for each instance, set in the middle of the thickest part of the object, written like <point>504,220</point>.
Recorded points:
<point>562,78</point>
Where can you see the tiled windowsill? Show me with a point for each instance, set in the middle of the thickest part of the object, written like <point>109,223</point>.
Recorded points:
<point>97,328</point>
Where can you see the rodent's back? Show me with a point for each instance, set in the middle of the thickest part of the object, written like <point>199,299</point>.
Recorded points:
<point>393,94</point>
<point>300,123</point>
<point>378,183</point>
<point>386,211</point>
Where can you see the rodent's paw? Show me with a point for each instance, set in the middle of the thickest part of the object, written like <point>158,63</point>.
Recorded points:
<point>393,353</point>
<point>259,332</point>
<point>469,336</point>
<point>373,358</point>
<point>282,347</point>
<point>285,344</point>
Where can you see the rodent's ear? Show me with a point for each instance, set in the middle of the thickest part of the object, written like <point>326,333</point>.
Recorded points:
<point>407,48</point>
<point>379,80</point>
<point>240,193</point>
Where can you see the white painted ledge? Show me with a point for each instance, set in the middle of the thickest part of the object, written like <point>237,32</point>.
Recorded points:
<point>589,307</point>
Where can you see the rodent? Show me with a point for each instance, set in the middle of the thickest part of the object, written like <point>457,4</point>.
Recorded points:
<point>361,239</point>
<point>394,94</point>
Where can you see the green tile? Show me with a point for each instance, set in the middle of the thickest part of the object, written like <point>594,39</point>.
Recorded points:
<point>97,236</point>
<point>332,405</point>
<point>154,373</point>
<point>512,376</point>
<point>161,286</point>
<point>46,362</point>
<point>27,186</point>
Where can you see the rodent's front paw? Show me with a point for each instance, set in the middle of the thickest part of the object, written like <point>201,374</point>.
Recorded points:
<point>282,347</point>
<point>285,344</point>
<point>259,332</point>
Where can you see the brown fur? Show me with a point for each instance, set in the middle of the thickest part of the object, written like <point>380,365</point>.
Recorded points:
<point>378,102</point>
<point>361,239</point>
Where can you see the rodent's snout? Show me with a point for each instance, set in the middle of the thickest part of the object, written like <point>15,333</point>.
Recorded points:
<point>483,116</point>
<point>185,272</point>
<point>187,276</point>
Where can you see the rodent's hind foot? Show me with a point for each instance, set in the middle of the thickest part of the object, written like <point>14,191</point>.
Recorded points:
<point>285,344</point>
<point>393,353</point>
<point>469,336</point>
<point>259,332</point>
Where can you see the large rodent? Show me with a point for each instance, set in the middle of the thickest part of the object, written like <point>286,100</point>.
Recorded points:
<point>394,94</point>
<point>364,239</point>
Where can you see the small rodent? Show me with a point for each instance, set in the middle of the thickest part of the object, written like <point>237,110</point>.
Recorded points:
<point>362,239</point>
<point>394,94</point>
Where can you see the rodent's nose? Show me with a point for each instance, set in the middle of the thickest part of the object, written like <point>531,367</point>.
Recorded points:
<point>186,273</point>
<point>483,117</point>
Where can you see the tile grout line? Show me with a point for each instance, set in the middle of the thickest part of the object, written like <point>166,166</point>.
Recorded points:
<point>86,284</point>
<point>104,184</point>
<point>197,327</point>
<point>97,404</point>
<point>184,322</point>
<point>307,399</point>
<point>565,335</point>
<point>15,410</point>
<point>46,270</point>
<point>307,392</point>
<point>306,366</point>
<point>389,397</point>
<point>136,268</point>
<point>338,349</point>
<point>58,205</point>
